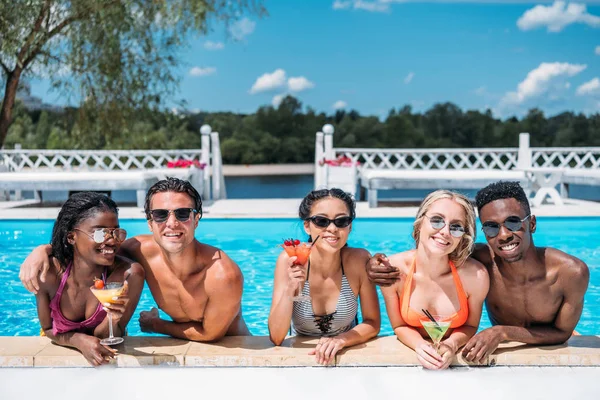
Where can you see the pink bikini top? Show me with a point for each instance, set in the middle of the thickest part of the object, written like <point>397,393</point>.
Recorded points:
<point>60,324</point>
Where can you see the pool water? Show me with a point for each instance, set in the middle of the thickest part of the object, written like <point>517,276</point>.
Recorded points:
<point>253,244</point>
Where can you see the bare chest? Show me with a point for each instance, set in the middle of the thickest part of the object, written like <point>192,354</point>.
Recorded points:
<point>525,304</point>
<point>183,301</point>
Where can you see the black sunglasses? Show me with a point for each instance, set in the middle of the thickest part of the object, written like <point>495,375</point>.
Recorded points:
<point>182,214</point>
<point>439,223</point>
<point>323,222</point>
<point>512,223</point>
<point>101,235</point>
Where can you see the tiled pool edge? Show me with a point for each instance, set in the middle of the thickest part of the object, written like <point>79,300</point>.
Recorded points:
<point>257,351</point>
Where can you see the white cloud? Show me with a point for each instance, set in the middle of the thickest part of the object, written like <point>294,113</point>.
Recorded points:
<point>546,78</point>
<point>242,28</point>
<point>597,51</point>
<point>341,5</point>
<point>339,104</point>
<point>480,91</point>
<point>199,71</point>
<point>208,45</point>
<point>591,88</point>
<point>277,99</point>
<point>409,78</point>
<point>371,6</point>
<point>557,16</point>
<point>300,83</point>
<point>267,82</point>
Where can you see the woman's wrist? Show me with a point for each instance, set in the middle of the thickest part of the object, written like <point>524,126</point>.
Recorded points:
<point>450,343</point>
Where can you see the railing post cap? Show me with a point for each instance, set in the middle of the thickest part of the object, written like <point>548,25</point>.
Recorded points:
<point>205,129</point>
<point>328,129</point>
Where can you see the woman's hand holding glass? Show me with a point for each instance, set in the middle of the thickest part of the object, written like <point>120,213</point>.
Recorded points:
<point>118,304</point>
<point>326,349</point>
<point>428,356</point>
<point>296,276</point>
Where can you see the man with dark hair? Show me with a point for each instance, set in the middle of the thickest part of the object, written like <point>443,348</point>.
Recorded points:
<point>536,293</point>
<point>197,285</point>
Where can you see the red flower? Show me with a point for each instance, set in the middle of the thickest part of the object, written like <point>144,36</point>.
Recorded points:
<point>185,164</point>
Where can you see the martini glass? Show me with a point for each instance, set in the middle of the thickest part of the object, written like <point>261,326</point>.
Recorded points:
<point>301,251</point>
<point>435,329</point>
<point>105,295</point>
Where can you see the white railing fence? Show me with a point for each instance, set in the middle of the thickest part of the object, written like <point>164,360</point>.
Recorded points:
<point>31,160</point>
<point>521,157</point>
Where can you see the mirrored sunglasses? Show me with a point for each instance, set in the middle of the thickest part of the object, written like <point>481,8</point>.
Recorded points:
<point>101,235</point>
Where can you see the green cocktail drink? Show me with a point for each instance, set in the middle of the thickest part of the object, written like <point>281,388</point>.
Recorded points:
<point>436,330</point>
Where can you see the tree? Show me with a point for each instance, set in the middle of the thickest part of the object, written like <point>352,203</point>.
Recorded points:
<point>119,55</point>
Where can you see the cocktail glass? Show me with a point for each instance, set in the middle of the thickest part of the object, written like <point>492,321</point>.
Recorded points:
<point>105,295</point>
<point>435,329</point>
<point>301,251</point>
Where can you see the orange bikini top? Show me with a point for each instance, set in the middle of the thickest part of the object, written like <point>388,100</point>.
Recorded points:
<point>412,318</point>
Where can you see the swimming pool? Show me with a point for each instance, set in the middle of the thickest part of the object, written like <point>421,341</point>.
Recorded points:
<point>253,244</point>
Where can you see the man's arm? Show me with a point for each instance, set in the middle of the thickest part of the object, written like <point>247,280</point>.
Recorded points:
<point>224,290</point>
<point>576,280</point>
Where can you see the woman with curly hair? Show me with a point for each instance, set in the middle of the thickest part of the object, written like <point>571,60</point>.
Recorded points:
<point>85,240</point>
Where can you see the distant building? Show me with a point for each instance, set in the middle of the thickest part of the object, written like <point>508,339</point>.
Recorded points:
<point>32,102</point>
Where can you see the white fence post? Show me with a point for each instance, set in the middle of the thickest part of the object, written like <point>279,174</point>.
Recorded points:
<point>205,159</point>
<point>319,157</point>
<point>18,193</point>
<point>328,131</point>
<point>524,156</point>
<point>217,168</point>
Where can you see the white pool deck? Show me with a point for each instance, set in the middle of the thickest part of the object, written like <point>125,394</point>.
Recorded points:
<point>284,208</point>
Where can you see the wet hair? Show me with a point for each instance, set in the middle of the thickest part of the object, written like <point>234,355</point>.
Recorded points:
<point>502,190</point>
<point>304,212</point>
<point>173,185</point>
<point>465,247</point>
<point>79,207</point>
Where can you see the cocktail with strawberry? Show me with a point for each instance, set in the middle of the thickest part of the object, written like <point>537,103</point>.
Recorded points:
<point>300,250</point>
<point>106,293</point>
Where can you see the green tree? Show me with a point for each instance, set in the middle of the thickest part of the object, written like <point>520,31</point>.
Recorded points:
<point>119,55</point>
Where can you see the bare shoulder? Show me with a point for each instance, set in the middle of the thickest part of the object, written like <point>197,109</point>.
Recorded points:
<point>572,270</point>
<point>53,277</point>
<point>475,278</point>
<point>483,254</point>
<point>222,271</point>
<point>138,247</point>
<point>131,267</point>
<point>403,260</point>
<point>355,259</point>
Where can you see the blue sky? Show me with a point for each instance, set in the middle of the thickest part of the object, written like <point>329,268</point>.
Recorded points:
<point>378,54</point>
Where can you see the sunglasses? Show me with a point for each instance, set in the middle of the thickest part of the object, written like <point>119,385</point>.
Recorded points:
<point>439,223</point>
<point>512,223</point>
<point>323,222</point>
<point>181,214</point>
<point>101,235</point>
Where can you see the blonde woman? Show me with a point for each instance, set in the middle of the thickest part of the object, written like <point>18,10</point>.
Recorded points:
<point>438,277</point>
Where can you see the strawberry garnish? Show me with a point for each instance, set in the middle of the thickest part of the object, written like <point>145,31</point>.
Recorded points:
<point>98,283</point>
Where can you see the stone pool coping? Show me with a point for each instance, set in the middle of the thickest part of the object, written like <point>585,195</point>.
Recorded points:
<point>257,351</point>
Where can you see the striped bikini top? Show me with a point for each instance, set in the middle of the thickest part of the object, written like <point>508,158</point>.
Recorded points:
<point>344,318</point>
<point>60,323</point>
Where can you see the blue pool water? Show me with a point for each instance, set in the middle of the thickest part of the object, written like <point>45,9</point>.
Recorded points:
<point>253,244</point>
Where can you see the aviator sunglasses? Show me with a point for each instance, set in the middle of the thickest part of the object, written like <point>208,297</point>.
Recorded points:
<point>181,214</point>
<point>512,223</point>
<point>439,223</point>
<point>323,222</point>
<point>101,235</point>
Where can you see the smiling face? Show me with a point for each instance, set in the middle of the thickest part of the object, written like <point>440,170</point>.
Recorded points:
<point>331,238</point>
<point>508,245</point>
<point>440,241</point>
<point>84,246</point>
<point>173,235</point>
